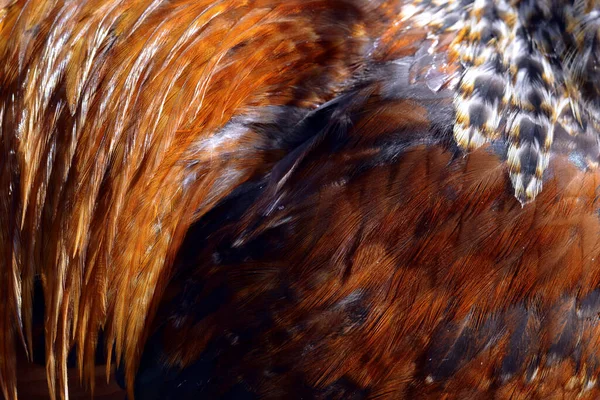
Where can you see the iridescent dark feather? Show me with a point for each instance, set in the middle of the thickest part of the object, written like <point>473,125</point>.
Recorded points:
<point>303,199</point>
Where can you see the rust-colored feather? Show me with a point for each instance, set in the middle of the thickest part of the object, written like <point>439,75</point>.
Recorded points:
<point>270,198</point>
<point>119,130</point>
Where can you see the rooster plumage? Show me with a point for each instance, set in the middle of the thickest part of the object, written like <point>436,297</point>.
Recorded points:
<point>312,199</point>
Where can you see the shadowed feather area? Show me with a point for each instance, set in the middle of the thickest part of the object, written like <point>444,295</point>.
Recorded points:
<point>302,198</point>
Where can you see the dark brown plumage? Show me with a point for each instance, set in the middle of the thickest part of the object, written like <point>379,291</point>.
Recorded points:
<point>272,199</point>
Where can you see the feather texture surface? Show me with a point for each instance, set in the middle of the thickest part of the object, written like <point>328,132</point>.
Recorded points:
<point>312,199</point>
<point>114,142</point>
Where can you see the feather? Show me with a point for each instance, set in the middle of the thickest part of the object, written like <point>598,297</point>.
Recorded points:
<point>322,198</point>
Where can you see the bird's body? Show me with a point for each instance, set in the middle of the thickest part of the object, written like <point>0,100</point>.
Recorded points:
<point>304,199</point>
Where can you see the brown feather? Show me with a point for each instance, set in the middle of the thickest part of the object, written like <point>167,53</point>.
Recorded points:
<point>115,140</point>
<point>265,197</point>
